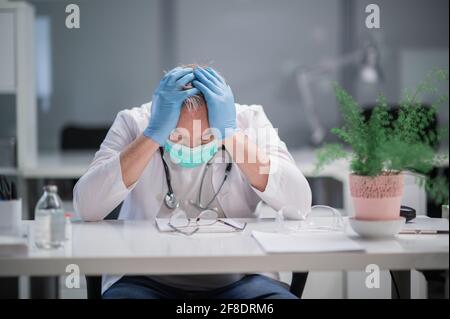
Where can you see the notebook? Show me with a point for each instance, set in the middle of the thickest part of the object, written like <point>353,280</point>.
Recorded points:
<point>426,225</point>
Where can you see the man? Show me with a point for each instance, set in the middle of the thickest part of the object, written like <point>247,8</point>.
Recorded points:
<point>191,120</point>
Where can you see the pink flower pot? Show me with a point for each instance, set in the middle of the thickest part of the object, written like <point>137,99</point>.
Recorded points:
<point>378,197</point>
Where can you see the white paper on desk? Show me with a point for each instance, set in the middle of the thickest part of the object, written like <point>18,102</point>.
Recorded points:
<point>425,224</point>
<point>163,226</point>
<point>305,242</point>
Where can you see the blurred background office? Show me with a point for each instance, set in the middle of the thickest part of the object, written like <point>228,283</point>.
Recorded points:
<point>282,54</point>
<point>116,58</point>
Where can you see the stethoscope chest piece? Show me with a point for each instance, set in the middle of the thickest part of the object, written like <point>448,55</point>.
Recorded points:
<point>171,201</point>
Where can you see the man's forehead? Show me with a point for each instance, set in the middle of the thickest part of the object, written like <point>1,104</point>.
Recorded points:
<point>188,116</point>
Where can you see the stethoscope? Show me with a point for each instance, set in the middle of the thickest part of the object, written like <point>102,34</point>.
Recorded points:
<point>170,199</point>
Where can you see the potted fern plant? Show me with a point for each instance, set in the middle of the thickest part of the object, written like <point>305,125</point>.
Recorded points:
<point>384,145</point>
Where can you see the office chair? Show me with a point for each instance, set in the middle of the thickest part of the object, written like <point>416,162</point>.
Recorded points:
<point>78,138</point>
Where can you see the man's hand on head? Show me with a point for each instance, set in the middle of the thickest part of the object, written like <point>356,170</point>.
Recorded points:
<point>219,99</point>
<point>167,101</point>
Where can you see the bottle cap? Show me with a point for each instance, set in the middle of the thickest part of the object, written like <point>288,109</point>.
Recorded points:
<point>51,188</point>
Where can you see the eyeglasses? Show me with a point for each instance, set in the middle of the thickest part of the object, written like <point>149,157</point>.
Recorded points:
<point>319,218</point>
<point>180,223</point>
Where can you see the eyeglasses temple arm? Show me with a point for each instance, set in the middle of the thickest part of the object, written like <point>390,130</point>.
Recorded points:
<point>233,226</point>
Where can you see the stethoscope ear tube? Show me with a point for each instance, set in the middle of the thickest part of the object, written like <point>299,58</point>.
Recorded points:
<point>169,199</point>
<point>166,170</point>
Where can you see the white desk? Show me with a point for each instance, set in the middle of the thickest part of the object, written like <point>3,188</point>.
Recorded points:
<point>74,164</point>
<point>136,247</point>
<point>58,165</point>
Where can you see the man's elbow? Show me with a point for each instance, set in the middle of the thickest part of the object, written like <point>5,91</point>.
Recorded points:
<point>81,206</point>
<point>302,195</point>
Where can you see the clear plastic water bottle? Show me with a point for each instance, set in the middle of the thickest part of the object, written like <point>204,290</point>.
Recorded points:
<point>49,220</point>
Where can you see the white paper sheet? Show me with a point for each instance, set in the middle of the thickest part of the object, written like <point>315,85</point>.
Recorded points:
<point>305,242</point>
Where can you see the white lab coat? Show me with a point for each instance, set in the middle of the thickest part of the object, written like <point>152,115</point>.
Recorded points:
<point>101,188</point>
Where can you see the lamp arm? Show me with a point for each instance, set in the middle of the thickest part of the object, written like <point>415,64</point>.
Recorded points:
<point>303,79</point>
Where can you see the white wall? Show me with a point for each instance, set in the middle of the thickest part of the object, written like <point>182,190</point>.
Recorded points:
<point>256,44</point>
<point>115,59</point>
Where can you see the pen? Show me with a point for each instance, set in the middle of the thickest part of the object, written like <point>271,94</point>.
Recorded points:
<point>423,232</point>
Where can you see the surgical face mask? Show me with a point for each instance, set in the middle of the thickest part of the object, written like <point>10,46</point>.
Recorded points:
<point>188,157</point>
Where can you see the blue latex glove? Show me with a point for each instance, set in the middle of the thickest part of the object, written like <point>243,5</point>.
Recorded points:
<point>166,103</point>
<point>220,101</point>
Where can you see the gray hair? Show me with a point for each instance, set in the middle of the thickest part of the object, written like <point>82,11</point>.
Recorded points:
<point>192,103</point>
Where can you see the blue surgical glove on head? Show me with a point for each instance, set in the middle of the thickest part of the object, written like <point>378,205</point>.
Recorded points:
<point>220,101</point>
<point>166,103</point>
